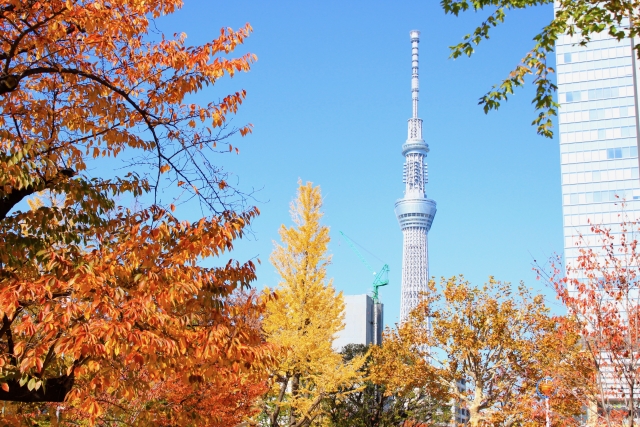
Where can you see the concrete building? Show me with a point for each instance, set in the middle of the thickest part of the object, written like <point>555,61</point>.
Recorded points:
<point>415,212</point>
<point>360,318</point>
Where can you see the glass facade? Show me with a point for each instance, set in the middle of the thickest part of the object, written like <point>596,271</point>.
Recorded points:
<point>598,118</point>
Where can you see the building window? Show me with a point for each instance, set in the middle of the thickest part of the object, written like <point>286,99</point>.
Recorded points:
<point>614,153</point>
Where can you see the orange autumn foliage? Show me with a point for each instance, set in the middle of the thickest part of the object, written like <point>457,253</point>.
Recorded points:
<point>163,403</point>
<point>92,292</point>
<point>171,402</point>
<point>179,398</point>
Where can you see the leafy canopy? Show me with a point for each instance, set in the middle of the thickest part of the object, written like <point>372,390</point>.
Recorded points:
<point>482,348</point>
<point>91,290</point>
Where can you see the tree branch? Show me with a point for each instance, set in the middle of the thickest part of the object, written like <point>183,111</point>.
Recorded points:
<point>53,390</point>
<point>6,328</point>
<point>8,201</point>
<point>276,411</point>
<point>16,42</point>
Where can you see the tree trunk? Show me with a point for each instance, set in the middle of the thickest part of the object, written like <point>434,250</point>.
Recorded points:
<point>295,384</point>
<point>276,411</point>
<point>632,406</point>
<point>474,408</point>
<point>474,416</point>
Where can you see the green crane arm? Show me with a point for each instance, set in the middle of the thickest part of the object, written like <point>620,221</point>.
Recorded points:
<point>353,247</point>
<point>381,279</point>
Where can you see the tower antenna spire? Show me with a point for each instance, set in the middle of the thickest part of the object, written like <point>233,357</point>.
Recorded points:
<point>415,82</point>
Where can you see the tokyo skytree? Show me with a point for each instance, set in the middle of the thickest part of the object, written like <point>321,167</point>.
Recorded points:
<point>415,211</point>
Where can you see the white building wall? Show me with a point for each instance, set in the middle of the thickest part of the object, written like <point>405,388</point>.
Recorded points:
<point>358,321</point>
<point>599,138</point>
<point>598,119</point>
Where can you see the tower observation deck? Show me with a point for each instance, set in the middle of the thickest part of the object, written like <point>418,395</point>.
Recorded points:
<point>415,212</point>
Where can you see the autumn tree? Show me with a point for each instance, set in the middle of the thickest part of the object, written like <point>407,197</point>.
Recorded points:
<point>363,405</point>
<point>387,397</point>
<point>175,400</point>
<point>579,18</point>
<point>108,280</point>
<point>228,399</point>
<point>304,320</point>
<point>601,292</point>
<point>486,348</point>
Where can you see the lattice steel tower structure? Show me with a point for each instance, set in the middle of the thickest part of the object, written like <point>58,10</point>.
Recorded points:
<point>415,211</point>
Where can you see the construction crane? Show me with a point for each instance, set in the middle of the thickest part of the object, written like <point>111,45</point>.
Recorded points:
<point>381,278</point>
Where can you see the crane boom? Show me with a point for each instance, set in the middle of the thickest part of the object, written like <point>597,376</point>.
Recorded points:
<point>355,249</point>
<point>381,278</point>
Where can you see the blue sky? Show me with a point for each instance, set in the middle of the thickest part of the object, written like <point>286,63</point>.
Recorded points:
<point>329,99</point>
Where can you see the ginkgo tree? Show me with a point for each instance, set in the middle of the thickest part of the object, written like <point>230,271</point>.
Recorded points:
<point>304,321</point>
<point>91,290</point>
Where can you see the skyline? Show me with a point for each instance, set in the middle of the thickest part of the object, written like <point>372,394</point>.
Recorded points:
<point>329,98</point>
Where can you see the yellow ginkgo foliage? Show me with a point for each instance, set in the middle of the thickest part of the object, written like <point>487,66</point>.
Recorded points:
<point>304,319</point>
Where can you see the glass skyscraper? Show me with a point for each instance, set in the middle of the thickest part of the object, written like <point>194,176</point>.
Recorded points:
<point>598,118</point>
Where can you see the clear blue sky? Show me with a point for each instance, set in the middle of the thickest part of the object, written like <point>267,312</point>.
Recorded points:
<point>329,98</point>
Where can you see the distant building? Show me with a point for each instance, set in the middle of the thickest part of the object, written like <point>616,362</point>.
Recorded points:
<point>360,321</point>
